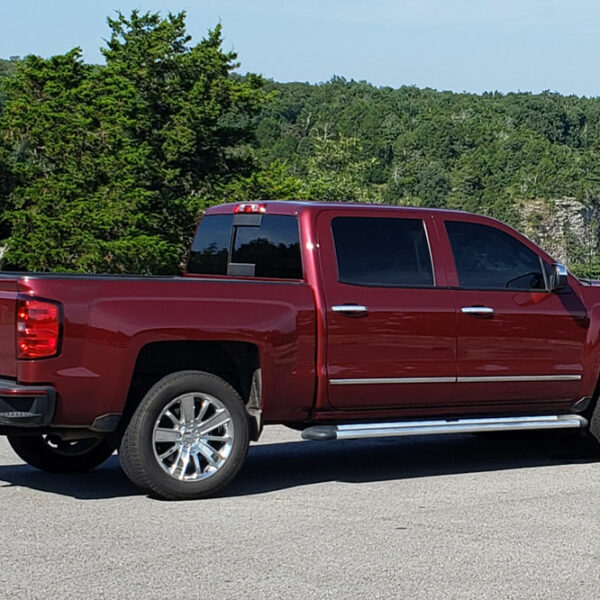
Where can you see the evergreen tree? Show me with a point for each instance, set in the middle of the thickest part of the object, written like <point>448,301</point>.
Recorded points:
<point>110,167</point>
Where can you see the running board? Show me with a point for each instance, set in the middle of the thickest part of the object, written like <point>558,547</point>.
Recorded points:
<point>371,430</point>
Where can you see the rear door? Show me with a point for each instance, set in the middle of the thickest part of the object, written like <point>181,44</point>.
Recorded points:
<point>519,345</point>
<point>391,325</point>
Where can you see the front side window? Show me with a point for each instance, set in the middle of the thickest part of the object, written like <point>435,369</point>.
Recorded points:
<point>384,252</point>
<point>487,258</point>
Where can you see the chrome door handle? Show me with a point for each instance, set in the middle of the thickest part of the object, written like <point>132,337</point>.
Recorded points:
<point>351,309</point>
<point>482,311</point>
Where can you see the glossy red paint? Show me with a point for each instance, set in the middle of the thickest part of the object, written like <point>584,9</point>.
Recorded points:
<point>408,332</point>
<point>539,333</point>
<point>405,333</point>
<point>8,295</point>
<point>108,321</point>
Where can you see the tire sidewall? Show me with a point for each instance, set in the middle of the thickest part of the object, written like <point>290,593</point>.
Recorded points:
<point>35,451</point>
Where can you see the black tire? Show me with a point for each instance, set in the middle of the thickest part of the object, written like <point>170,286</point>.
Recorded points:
<point>594,429</point>
<point>50,453</point>
<point>141,454</point>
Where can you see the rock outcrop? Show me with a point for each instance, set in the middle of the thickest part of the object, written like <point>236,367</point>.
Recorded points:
<point>566,228</point>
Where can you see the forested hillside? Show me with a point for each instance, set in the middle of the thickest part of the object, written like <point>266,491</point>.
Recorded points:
<point>106,168</point>
<point>516,156</point>
<point>441,148</point>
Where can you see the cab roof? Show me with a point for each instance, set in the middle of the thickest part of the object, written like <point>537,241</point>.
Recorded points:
<point>295,207</point>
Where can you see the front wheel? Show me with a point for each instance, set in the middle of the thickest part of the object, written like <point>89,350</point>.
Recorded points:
<point>50,453</point>
<point>188,437</point>
<point>594,428</point>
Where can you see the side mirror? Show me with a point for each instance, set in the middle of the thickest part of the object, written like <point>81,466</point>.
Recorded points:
<point>559,277</point>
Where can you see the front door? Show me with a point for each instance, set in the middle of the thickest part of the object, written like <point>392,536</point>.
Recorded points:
<point>519,344</point>
<point>391,331</point>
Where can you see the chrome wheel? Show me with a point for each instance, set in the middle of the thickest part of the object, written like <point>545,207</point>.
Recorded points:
<point>193,436</point>
<point>188,437</point>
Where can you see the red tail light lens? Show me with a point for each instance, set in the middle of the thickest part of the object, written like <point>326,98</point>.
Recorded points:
<point>250,207</point>
<point>38,328</point>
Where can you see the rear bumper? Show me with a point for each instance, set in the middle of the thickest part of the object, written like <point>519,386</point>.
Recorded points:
<point>24,406</point>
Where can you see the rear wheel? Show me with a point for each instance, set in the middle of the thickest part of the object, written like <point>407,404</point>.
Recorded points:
<point>188,437</point>
<point>50,453</point>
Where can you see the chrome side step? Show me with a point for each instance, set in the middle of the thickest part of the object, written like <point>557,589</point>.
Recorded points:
<point>371,430</point>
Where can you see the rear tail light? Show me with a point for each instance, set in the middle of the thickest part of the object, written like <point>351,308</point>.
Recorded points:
<point>38,328</point>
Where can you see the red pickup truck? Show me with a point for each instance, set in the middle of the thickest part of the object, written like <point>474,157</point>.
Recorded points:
<point>344,321</point>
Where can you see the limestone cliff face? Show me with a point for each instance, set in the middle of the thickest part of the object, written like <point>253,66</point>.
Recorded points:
<point>564,227</point>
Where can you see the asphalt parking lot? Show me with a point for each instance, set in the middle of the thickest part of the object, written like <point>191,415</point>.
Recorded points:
<point>445,517</point>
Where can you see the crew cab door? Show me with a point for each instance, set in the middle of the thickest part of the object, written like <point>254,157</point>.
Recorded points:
<point>390,322</point>
<point>519,344</point>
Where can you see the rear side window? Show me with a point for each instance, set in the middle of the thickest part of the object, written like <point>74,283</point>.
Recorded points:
<point>247,245</point>
<point>487,258</point>
<point>382,252</point>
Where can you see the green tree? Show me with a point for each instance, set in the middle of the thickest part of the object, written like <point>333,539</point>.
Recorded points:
<point>110,167</point>
<point>7,69</point>
<point>336,172</point>
<point>274,182</point>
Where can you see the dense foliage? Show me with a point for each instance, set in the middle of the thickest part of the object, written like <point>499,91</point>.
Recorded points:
<point>497,154</point>
<point>474,152</point>
<point>107,168</point>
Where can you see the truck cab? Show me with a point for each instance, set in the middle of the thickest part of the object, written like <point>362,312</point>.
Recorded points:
<point>449,312</point>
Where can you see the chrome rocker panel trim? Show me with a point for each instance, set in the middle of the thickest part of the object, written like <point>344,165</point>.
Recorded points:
<point>484,379</point>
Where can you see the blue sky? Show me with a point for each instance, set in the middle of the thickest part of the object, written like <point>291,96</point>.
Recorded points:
<point>472,45</point>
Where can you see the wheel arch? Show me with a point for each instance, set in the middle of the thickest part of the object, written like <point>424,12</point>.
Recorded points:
<point>237,363</point>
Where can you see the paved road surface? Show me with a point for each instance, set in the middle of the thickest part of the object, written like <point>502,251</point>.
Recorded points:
<point>447,517</point>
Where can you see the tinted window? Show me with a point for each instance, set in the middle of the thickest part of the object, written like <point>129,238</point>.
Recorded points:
<point>382,252</point>
<point>211,246</point>
<point>273,247</point>
<point>486,257</point>
<point>268,249</point>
